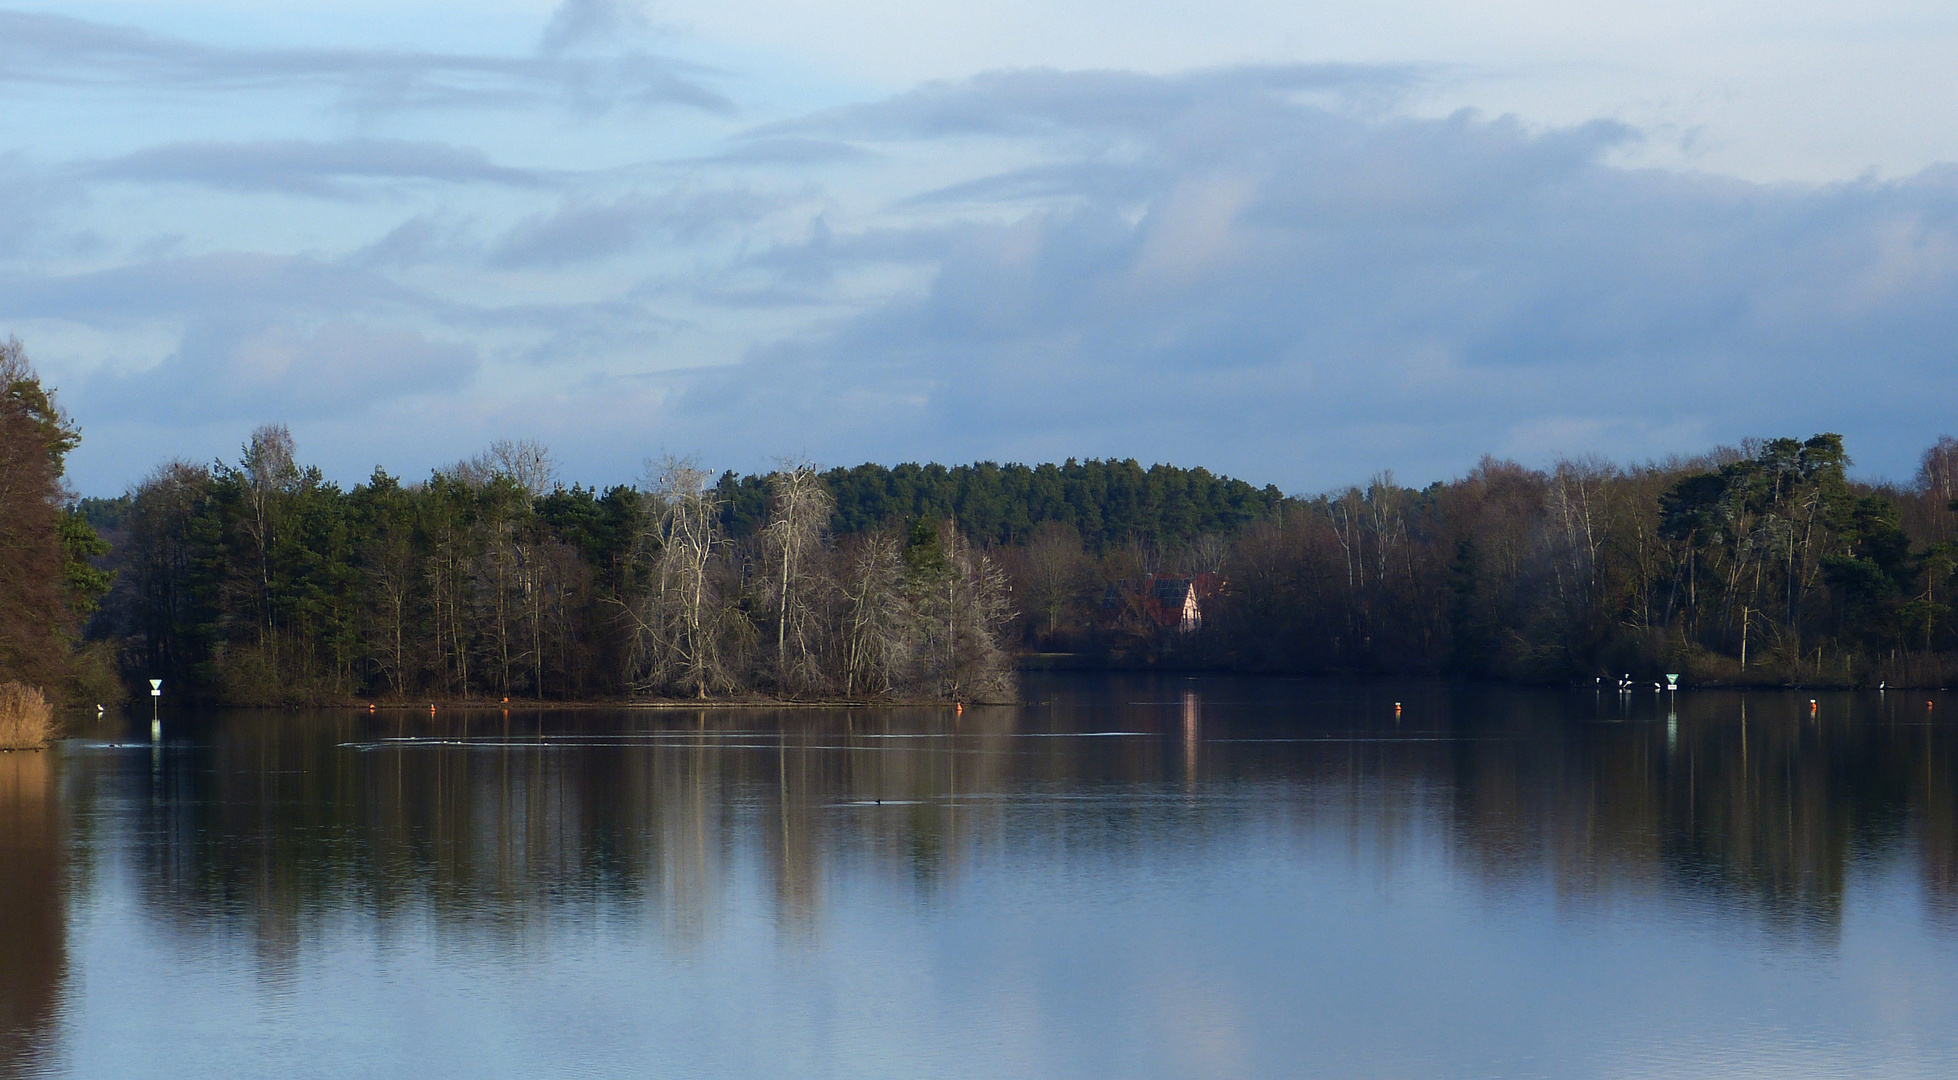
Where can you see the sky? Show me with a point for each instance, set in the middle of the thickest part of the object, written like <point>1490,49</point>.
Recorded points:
<point>1295,243</point>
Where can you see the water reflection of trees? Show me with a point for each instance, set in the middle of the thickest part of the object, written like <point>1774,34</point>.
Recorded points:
<point>1742,800</point>
<point>33,908</point>
<point>501,823</point>
<point>513,825</point>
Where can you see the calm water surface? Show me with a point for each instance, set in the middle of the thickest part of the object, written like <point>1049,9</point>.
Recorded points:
<point>1133,877</point>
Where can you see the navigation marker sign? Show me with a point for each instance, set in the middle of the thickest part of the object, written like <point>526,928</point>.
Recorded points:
<point>1672,682</point>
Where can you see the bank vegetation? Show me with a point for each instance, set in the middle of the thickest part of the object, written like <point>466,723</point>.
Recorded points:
<point>260,581</point>
<point>1758,564</point>
<point>26,718</point>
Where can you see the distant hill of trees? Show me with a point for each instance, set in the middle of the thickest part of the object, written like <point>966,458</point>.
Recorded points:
<point>259,581</point>
<point>1106,503</point>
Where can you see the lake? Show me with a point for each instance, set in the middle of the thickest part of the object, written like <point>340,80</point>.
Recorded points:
<point>1129,876</point>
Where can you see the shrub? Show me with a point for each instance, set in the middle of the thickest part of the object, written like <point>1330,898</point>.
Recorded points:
<point>26,720</point>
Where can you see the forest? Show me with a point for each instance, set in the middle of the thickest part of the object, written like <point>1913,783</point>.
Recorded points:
<point>259,581</point>
<point>1759,564</point>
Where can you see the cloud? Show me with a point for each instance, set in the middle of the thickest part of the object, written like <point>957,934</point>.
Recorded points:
<point>226,371</point>
<point>309,168</point>
<point>583,230</point>
<point>787,150</point>
<point>1306,295</point>
<point>418,241</point>
<point>31,197</point>
<point>58,51</point>
<point>578,22</point>
<point>823,255</point>
<point>1045,183</point>
<point>1261,270</point>
<point>1042,101</point>
<point>225,285</point>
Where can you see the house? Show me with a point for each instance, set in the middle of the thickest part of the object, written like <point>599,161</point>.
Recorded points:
<point>1171,601</point>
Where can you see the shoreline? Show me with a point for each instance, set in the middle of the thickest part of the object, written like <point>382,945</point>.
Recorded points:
<point>426,706</point>
<point>480,705</point>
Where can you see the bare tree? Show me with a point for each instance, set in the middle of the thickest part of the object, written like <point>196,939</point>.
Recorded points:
<point>1577,508</point>
<point>958,600</point>
<point>14,365</point>
<point>1209,553</point>
<point>875,631</point>
<point>1937,480</point>
<point>526,463</point>
<point>799,511</point>
<point>981,604</point>
<point>1056,572</point>
<point>269,471</point>
<point>678,618</point>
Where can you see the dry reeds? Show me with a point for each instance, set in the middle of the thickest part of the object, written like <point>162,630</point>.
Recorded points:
<point>26,718</point>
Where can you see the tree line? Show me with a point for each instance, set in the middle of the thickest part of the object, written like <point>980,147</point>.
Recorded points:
<point>1105,502</point>
<point>260,581</point>
<point>1762,563</point>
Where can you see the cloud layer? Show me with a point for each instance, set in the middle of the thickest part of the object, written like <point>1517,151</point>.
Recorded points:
<point>40,50</point>
<point>301,167</point>
<point>1229,277</point>
<point>1279,271</point>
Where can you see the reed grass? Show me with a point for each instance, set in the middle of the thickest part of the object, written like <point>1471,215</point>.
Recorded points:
<point>26,718</point>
